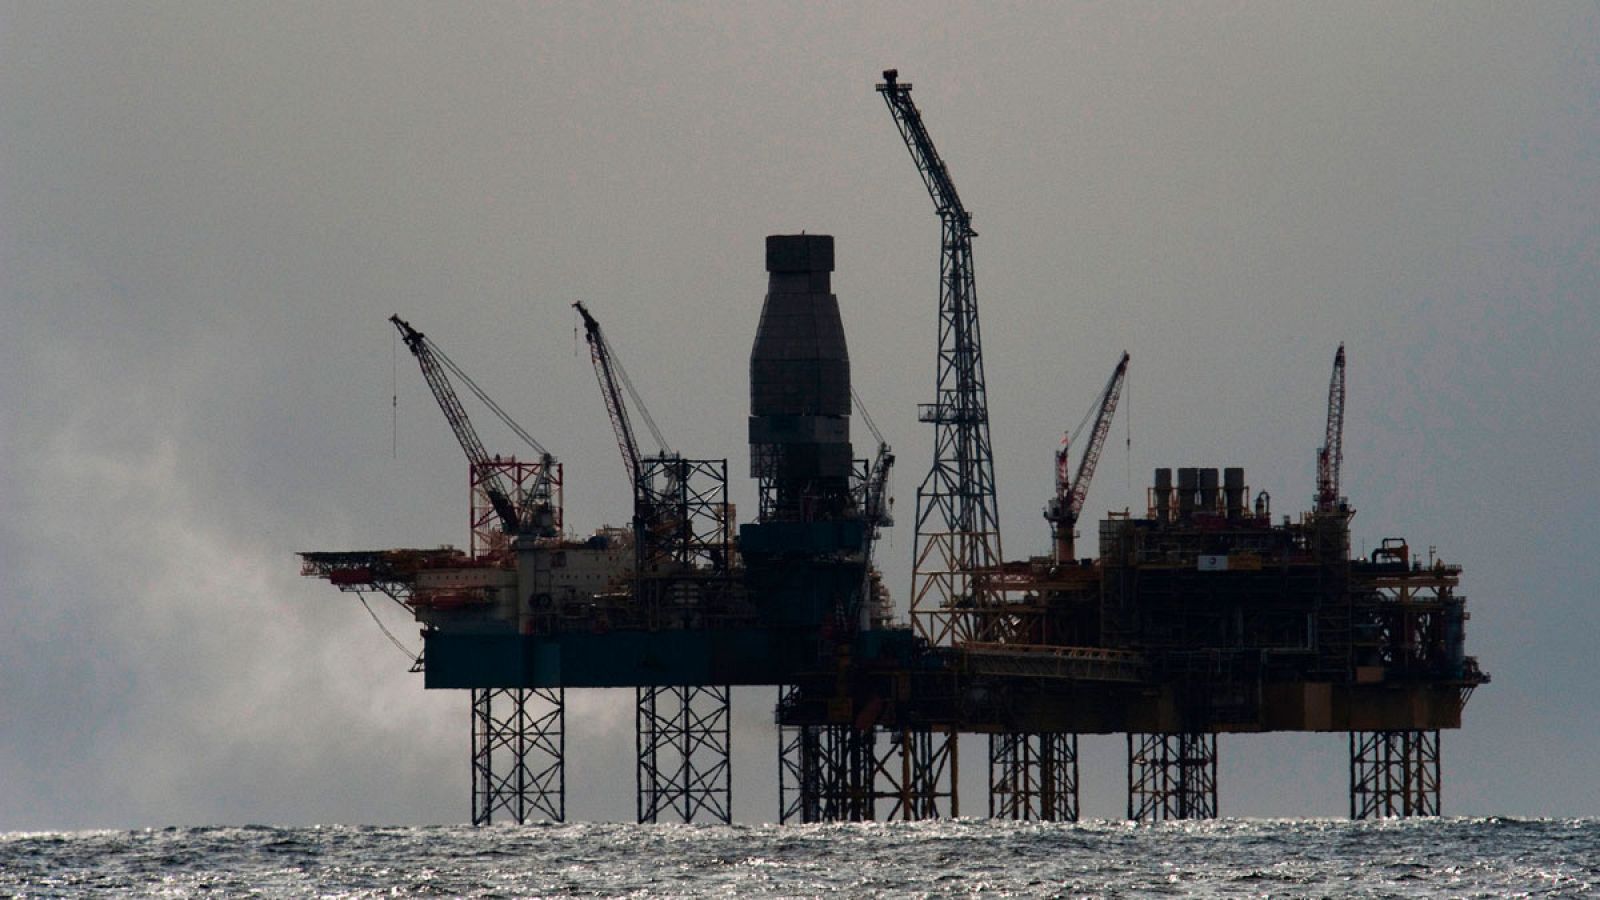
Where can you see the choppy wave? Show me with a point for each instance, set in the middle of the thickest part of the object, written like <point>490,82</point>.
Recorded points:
<point>1490,857</point>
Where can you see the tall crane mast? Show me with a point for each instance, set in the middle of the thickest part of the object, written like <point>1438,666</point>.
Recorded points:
<point>1330,456</point>
<point>437,368</point>
<point>958,521</point>
<point>1067,504</point>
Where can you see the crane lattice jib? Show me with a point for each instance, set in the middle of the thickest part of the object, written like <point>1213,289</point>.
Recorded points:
<point>1331,457</point>
<point>601,354</point>
<point>429,359</point>
<point>958,531</point>
<point>1097,440</point>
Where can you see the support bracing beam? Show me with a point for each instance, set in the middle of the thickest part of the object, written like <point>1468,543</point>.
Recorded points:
<point>920,769</point>
<point>518,755</point>
<point>1394,773</point>
<point>840,773</point>
<point>826,773</point>
<point>1033,776</point>
<point>1172,776</point>
<point>683,744</point>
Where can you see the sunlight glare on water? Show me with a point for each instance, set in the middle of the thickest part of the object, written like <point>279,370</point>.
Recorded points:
<point>1490,857</point>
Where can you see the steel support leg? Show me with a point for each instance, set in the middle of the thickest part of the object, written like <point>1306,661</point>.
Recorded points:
<point>518,755</point>
<point>1033,776</point>
<point>683,744</point>
<point>1172,776</point>
<point>921,770</point>
<point>1394,773</point>
<point>826,773</point>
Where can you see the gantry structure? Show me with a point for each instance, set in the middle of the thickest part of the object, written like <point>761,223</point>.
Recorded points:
<point>1201,615</point>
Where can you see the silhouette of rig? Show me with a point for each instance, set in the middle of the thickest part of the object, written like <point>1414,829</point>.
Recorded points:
<point>1200,616</point>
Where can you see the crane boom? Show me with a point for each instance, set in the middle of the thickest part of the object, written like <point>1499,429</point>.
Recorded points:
<point>958,520</point>
<point>1330,456</point>
<point>437,369</point>
<point>614,382</point>
<point>1097,437</point>
<point>935,176</point>
<point>600,353</point>
<point>1067,504</point>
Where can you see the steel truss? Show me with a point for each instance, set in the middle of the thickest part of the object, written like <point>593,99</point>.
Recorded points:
<point>827,773</point>
<point>925,775</point>
<point>518,754</point>
<point>1394,773</point>
<point>1033,776</point>
<point>536,490</point>
<point>958,523</point>
<point>840,773</point>
<point>683,744</point>
<point>1172,776</point>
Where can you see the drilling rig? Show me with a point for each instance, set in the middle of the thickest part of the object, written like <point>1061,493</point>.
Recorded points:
<point>1200,616</point>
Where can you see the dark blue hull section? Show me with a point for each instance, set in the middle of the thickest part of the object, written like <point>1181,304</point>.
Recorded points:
<point>617,658</point>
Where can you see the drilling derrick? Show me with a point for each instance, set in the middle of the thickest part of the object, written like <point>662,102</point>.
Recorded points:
<point>958,522</point>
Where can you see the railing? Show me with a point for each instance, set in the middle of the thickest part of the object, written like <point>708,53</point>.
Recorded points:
<point>1045,661</point>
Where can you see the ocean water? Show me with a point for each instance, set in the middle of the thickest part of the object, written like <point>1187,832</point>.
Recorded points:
<point>1491,857</point>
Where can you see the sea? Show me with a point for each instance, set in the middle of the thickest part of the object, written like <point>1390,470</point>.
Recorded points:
<point>1451,857</point>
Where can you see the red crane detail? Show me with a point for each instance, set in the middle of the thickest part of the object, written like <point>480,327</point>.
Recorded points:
<point>1067,504</point>
<point>1330,456</point>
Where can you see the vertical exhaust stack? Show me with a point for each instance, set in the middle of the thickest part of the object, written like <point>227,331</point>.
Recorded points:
<point>1163,495</point>
<point>1233,492</point>
<point>1188,487</point>
<point>800,386</point>
<point>1208,491</point>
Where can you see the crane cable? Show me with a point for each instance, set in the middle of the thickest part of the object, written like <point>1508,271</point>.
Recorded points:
<point>394,397</point>
<point>1127,423</point>
<point>487,401</point>
<point>866,417</point>
<point>638,403</point>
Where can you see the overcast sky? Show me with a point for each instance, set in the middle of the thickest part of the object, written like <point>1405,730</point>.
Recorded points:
<point>207,212</point>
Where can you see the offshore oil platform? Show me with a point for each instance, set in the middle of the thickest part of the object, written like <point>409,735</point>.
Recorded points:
<point>1201,615</point>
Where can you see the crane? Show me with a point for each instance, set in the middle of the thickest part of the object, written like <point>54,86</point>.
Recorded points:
<point>1067,504</point>
<point>608,370</point>
<point>614,381</point>
<point>437,368</point>
<point>877,513</point>
<point>875,500</point>
<point>1330,456</point>
<point>958,521</point>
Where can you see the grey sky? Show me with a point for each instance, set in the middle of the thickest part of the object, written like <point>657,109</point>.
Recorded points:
<point>207,211</point>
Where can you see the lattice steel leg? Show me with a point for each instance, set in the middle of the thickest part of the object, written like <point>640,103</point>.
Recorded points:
<point>827,773</point>
<point>1033,776</point>
<point>1172,776</point>
<point>799,768</point>
<point>1394,773</point>
<point>683,743</point>
<point>518,754</point>
<point>921,769</point>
